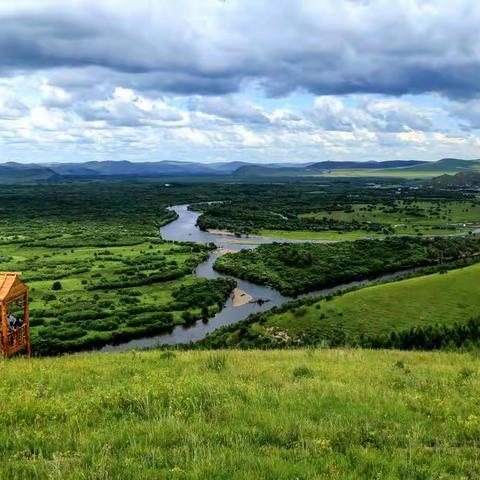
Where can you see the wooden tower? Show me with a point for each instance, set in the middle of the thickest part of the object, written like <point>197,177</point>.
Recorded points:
<point>15,331</point>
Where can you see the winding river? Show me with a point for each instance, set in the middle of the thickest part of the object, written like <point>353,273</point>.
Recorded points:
<point>184,228</point>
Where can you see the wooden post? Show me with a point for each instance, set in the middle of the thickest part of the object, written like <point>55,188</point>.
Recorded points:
<point>4,328</point>
<point>26,321</point>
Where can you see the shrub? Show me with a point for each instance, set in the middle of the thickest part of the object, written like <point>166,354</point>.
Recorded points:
<point>48,297</point>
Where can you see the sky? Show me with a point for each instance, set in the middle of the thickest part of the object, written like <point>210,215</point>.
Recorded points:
<point>250,80</point>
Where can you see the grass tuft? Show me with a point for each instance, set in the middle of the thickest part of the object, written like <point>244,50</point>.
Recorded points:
<point>302,372</point>
<point>216,362</point>
<point>167,355</point>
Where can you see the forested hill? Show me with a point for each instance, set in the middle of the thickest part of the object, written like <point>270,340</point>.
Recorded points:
<point>15,173</point>
<point>460,179</point>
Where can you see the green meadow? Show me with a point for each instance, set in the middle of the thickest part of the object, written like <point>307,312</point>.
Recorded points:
<point>306,414</point>
<point>441,298</point>
<point>327,236</point>
<point>405,172</point>
<point>407,218</point>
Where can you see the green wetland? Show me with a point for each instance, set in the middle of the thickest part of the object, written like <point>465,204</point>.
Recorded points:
<point>100,273</point>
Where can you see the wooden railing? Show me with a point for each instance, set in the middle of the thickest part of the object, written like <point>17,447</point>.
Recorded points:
<point>16,340</point>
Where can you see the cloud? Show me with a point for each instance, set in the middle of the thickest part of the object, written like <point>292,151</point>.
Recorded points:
<point>383,115</point>
<point>239,79</point>
<point>213,48</point>
<point>468,112</point>
<point>230,108</point>
<point>11,107</point>
<point>126,108</point>
<point>55,96</point>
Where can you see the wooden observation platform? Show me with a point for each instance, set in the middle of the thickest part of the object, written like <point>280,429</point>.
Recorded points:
<point>14,313</point>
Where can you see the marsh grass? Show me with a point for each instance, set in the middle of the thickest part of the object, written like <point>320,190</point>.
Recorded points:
<point>222,415</point>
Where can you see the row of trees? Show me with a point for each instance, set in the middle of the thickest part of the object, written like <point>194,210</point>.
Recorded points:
<point>294,268</point>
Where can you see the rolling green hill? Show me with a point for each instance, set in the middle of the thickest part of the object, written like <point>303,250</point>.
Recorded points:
<point>427,300</point>
<point>303,414</point>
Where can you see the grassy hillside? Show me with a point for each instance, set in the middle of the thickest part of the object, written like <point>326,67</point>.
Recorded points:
<point>447,165</point>
<point>253,415</point>
<point>460,179</point>
<point>440,298</point>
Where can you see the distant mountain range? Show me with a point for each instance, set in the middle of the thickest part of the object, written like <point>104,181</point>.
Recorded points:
<point>30,173</point>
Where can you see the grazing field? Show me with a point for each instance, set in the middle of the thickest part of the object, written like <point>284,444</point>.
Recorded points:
<point>444,298</point>
<point>382,173</point>
<point>413,217</point>
<point>253,415</point>
<point>294,268</point>
<point>327,236</point>
<point>406,173</point>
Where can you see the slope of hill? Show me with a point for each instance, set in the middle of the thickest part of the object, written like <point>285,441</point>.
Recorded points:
<point>136,169</point>
<point>439,298</point>
<point>14,172</point>
<point>18,173</point>
<point>375,311</point>
<point>447,165</point>
<point>125,168</point>
<point>329,165</point>
<point>251,415</point>
<point>320,168</point>
<point>406,168</point>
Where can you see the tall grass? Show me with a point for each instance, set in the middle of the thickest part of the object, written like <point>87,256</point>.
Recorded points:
<point>303,414</point>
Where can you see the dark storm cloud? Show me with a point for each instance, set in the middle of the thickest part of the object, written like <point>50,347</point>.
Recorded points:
<point>214,48</point>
